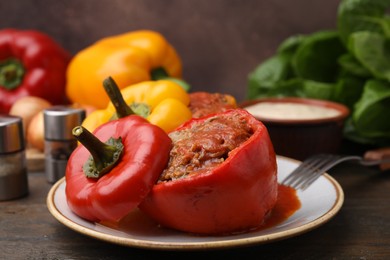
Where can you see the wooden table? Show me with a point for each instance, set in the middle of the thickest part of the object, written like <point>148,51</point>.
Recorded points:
<point>361,230</point>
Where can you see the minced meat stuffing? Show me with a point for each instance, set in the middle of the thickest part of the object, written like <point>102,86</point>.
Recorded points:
<point>205,145</point>
<point>205,103</point>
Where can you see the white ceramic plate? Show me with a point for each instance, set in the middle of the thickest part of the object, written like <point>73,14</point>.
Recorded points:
<point>320,202</point>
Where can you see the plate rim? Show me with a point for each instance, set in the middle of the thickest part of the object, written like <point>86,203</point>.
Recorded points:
<point>230,243</point>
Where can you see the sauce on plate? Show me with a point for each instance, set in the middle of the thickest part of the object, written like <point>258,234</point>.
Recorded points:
<point>286,205</point>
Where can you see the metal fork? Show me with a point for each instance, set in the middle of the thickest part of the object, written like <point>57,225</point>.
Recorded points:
<point>313,167</point>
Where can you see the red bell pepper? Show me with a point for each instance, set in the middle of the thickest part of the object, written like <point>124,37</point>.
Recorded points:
<point>226,187</point>
<point>31,64</point>
<point>105,181</point>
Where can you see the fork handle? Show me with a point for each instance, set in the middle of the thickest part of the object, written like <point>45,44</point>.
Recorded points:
<point>379,154</point>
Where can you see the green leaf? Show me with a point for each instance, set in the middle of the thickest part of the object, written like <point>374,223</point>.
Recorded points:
<point>317,57</point>
<point>291,44</point>
<point>298,87</point>
<point>370,117</point>
<point>350,64</point>
<point>267,74</point>
<point>318,90</point>
<point>362,15</point>
<point>372,50</point>
<point>348,90</point>
<point>350,133</point>
<point>288,88</point>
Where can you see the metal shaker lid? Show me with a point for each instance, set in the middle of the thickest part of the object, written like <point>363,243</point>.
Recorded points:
<point>11,134</point>
<point>60,120</point>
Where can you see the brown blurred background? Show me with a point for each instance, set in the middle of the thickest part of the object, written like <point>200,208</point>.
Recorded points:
<point>219,41</point>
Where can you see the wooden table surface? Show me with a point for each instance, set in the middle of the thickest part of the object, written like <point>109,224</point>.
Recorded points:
<point>361,229</point>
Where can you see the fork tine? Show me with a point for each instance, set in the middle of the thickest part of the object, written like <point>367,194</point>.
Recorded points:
<point>299,173</point>
<point>310,170</point>
<point>313,167</point>
<point>327,163</point>
<point>302,170</point>
<point>303,166</point>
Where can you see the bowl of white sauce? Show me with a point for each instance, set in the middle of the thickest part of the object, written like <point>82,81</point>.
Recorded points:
<point>301,127</point>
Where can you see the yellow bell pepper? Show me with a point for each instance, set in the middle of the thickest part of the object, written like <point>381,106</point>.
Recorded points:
<point>165,102</point>
<point>129,58</point>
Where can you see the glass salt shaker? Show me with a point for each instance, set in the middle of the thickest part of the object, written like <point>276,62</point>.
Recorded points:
<point>59,140</point>
<point>13,163</point>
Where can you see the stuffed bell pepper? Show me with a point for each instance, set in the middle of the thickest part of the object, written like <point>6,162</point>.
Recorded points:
<point>220,179</point>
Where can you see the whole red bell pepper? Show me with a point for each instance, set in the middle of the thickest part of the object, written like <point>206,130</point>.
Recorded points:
<point>31,64</point>
<point>115,167</point>
<point>222,176</point>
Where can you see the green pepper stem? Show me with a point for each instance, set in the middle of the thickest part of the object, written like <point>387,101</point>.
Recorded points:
<point>104,156</point>
<point>113,91</point>
<point>11,73</point>
<point>160,73</point>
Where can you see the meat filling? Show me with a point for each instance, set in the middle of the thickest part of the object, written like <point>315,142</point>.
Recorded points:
<point>204,103</point>
<point>205,145</point>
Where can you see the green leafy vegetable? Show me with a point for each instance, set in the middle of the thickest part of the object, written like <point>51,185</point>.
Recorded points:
<point>372,50</point>
<point>350,65</point>
<point>348,90</point>
<point>362,15</point>
<point>290,45</point>
<point>316,57</point>
<point>372,110</point>
<point>268,74</point>
<point>291,72</point>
